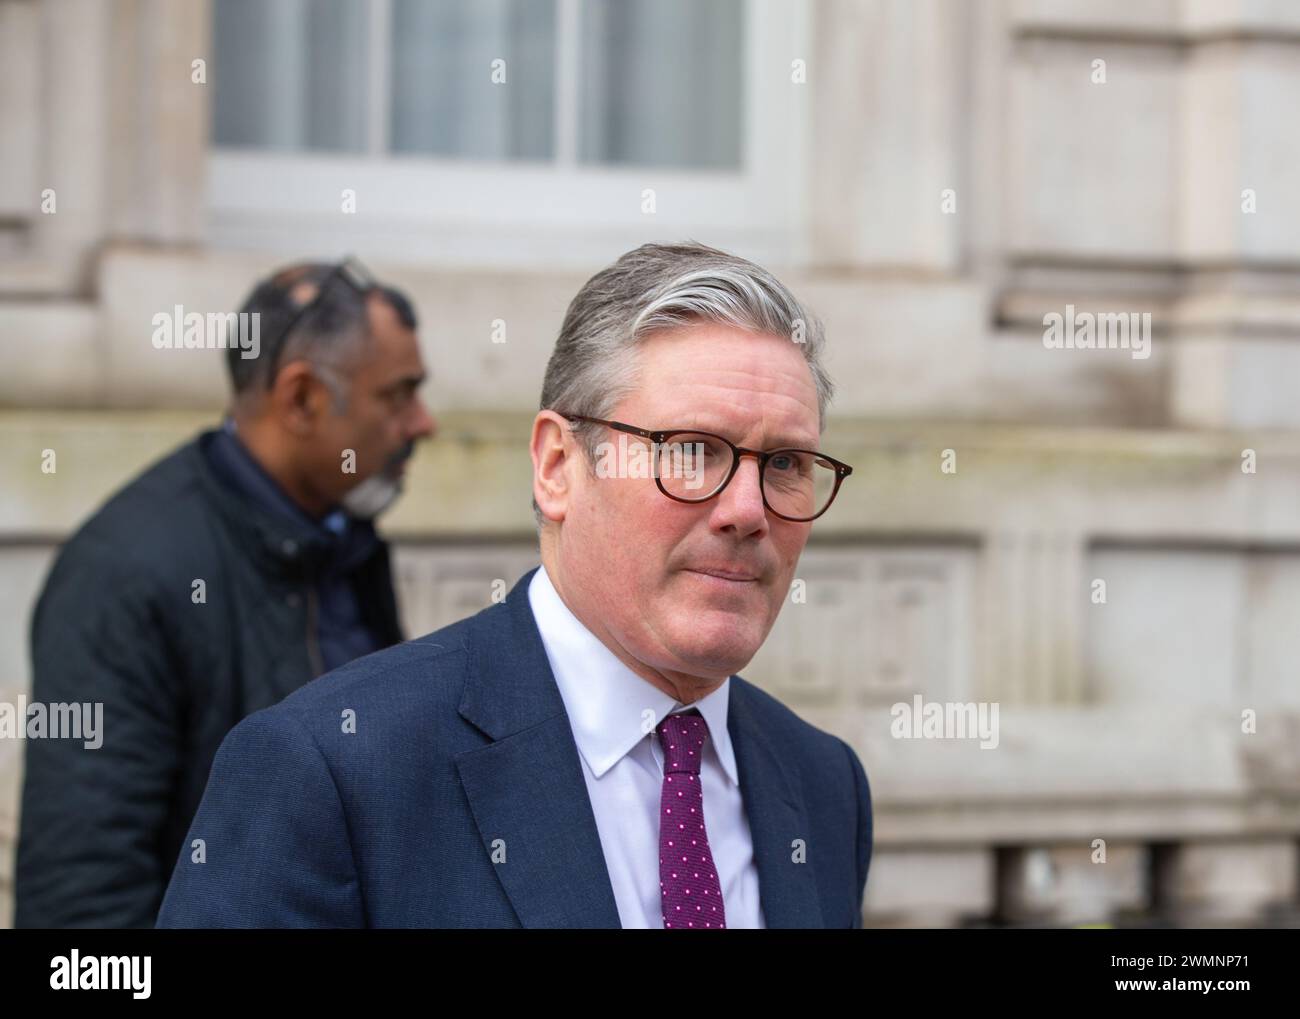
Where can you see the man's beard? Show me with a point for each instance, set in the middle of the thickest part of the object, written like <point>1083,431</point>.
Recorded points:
<point>379,491</point>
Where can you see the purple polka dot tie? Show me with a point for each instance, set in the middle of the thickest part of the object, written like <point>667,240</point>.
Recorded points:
<point>688,881</point>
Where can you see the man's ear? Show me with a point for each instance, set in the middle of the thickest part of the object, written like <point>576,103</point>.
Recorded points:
<point>553,451</point>
<point>298,399</point>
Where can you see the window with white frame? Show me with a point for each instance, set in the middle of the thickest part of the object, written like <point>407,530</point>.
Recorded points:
<point>507,130</point>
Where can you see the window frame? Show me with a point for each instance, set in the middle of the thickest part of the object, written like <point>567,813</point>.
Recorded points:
<point>558,212</point>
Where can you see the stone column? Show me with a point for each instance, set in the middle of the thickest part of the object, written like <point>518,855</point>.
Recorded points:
<point>160,120</point>
<point>887,133</point>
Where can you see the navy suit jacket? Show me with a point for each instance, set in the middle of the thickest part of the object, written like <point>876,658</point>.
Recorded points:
<point>459,800</point>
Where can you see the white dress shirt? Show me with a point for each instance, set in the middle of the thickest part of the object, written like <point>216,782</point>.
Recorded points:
<point>606,704</point>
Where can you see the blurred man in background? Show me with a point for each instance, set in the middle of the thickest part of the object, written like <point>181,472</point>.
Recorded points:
<point>227,575</point>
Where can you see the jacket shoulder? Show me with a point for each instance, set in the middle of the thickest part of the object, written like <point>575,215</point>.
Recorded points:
<point>162,505</point>
<point>148,539</point>
<point>423,673</point>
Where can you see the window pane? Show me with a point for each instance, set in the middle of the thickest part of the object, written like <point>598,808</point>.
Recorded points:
<point>290,74</point>
<point>444,99</point>
<point>660,83</point>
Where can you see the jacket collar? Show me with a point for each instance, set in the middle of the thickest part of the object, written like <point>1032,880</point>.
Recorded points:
<point>289,545</point>
<point>526,788</point>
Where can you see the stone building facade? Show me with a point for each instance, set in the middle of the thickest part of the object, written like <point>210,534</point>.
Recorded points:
<point>946,176</point>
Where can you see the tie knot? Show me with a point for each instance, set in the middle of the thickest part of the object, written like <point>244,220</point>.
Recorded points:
<point>682,737</point>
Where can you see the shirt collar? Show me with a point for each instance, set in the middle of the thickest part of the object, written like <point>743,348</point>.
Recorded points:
<point>605,700</point>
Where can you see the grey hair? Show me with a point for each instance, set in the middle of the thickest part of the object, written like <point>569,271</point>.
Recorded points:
<point>665,286</point>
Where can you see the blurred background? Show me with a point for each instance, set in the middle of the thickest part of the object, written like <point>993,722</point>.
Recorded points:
<point>933,177</point>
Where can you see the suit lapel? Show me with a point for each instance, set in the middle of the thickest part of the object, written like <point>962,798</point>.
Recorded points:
<point>526,788</point>
<point>787,890</point>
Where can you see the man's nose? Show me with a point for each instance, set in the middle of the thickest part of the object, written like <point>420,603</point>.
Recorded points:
<point>740,504</point>
<point>424,426</point>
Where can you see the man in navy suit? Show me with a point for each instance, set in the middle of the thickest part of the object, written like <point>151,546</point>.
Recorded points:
<point>583,754</point>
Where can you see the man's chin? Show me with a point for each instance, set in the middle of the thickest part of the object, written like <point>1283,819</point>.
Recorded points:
<point>717,644</point>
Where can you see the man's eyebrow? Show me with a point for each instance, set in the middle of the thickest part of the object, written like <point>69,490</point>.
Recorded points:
<point>781,443</point>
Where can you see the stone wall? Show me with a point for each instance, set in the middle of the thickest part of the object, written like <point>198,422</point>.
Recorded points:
<point>969,172</point>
